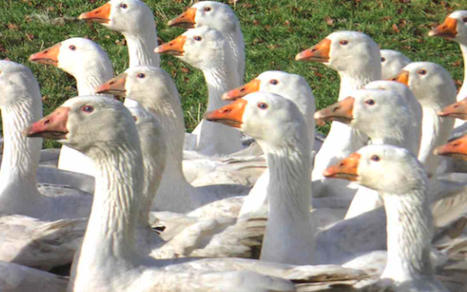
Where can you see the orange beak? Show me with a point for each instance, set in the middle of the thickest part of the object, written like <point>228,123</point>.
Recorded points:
<point>403,77</point>
<point>230,115</point>
<point>184,20</point>
<point>115,86</point>
<point>52,126</point>
<point>447,29</point>
<point>456,149</point>
<point>341,111</point>
<point>250,87</point>
<point>174,47</point>
<point>317,53</point>
<point>456,110</point>
<point>345,169</point>
<point>48,56</point>
<point>100,15</point>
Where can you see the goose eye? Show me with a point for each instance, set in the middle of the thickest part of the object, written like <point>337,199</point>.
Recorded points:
<point>72,47</point>
<point>207,9</point>
<point>262,106</point>
<point>375,158</point>
<point>274,82</point>
<point>344,42</point>
<point>198,38</point>
<point>370,102</point>
<point>136,119</point>
<point>464,19</point>
<point>141,75</point>
<point>383,59</point>
<point>124,6</point>
<point>422,72</point>
<point>87,109</point>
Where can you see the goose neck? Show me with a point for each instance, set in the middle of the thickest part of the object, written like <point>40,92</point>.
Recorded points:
<point>356,79</point>
<point>20,154</point>
<point>111,228</point>
<point>219,81</point>
<point>141,47</point>
<point>236,43</point>
<point>410,229</point>
<point>463,91</point>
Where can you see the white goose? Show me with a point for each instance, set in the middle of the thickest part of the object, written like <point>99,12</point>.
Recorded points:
<point>392,62</point>
<point>434,88</point>
<point>89,64</point>
<point>155,90</point>
<point>134,19</point>
<point>402,181</point>
<point>221,17</point>
<point>357,59</point>
<point>108,250</point>
<point>293,87</point>
<point>207,49</point>
<point>21,104</point>
<point>386,118</point>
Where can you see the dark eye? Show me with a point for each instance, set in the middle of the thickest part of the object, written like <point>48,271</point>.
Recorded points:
<point>464,19</point>
<point>141,75</point>
<point>370,102</point>
<point>274,82</point>
<point>198,38</point>
<point>262,106</point>
<point>422,72</point>
<point>136,119</point>
<point>375,158</point>
<point>124,6</point>
<point>72,47</point>
<point>207,9</point>
<point>87,109</point>
<point>344,42</point>
<point>383,59</point>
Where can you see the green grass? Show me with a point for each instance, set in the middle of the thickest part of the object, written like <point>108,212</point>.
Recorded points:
<point>274,31</point>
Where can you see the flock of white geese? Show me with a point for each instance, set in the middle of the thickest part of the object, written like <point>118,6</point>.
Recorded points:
<point>134,203</point>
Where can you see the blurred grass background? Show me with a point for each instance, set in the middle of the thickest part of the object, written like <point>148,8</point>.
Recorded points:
<point>274,32</point>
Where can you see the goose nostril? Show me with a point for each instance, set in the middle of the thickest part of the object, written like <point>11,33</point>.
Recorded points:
<point>314,50</point>
<point>242,90</point>
<point>335,109</point>
<point>113,82</point>
<point>46,122</point>
<point>456,106</point>
<point>98,11</point>
<point>342,164</point>
<point>226,111</point>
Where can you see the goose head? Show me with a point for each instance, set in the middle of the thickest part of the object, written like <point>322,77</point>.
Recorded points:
<point>83,122</point>
<point>456,110</point>
<point>17,84</point>
<point>398,87</point>
<point>212,14</point>
<point>392,62</point>
<point>384,168</point>
<point>453,28</point>
<point>291,86</point>
<point>344,51</point>
<point>456,148</point>
<point>429,82</point>
<point>76,56</point>
<point>140,83</point>
<point>124,16</point>
<point>373,111</point>
<point>203,48</point>
<point>269,118</point>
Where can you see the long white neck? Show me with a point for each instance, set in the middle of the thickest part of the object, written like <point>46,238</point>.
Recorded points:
<point>289,236</point>
<point>141,47</point>
<point>410,230</point>
<point>214,138</point>
<point>435,132</point>
<point>357,79</point>
<point>174,191</point>
<point>20,157</point>
<point>463,91</point>
<point>237,45</point>
<point>110,235</point>
<point>96,72</point>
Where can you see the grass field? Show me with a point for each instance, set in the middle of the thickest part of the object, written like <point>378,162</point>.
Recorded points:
<point>274,31</point>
